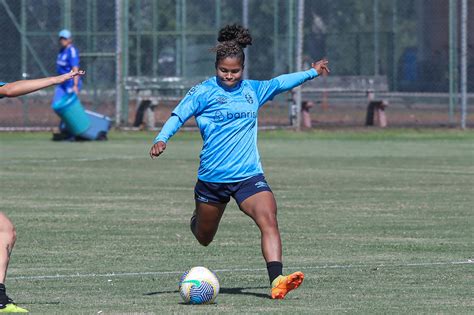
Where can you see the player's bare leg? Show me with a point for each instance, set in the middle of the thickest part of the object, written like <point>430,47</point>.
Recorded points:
<point>7,241</point>
<point>205,221</point>
<point>262,208</point>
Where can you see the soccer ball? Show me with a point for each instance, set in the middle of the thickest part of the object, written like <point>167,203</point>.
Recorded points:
<point>199,285</point>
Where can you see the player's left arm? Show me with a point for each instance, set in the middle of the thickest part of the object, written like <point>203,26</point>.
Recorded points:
<point>266,90</point>
<point>23,87</point>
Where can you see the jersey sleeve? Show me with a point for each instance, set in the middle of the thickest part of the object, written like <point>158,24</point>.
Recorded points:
<point>267,90</point>
<point>171,126</point>
<point>1,84</point>
<point>190,104</point>
<point>188,107</point>
<point>73,56</point>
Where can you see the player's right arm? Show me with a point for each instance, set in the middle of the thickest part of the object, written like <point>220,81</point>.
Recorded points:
<point>23,87</point>
<point>188,107</point>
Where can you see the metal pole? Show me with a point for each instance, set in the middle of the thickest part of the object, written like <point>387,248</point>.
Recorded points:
<point>453,75</point>
<point>299,59</point>
<point>276,22</point>
<point>154,35</point>
<point>24,73</point>
<point>67,14</point>
<point>118,63</point>
<point>138,38</point>
<point>394,44</point>
<point>178,42</point>
<point>376,36</point>
<point>291,17</point>
<point>94,28</point>
<point>245,22</point>
<point>125,58</point>
<point>463,63</point>
<point>184,66</point>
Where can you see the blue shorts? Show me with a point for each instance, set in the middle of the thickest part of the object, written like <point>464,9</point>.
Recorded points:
<point>221,192</point>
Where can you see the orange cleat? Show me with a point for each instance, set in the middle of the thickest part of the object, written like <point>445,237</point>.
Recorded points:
<point>284,284</point>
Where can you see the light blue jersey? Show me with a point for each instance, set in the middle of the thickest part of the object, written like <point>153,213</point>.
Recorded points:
<point>228,120</point>
<point>2,84</point>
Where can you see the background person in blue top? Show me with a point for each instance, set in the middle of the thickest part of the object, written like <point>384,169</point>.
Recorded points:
<point>7,229</point>
<point>225,108</point>
<point>66,61</point>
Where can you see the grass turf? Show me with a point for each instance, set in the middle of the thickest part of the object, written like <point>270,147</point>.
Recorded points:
<point>373,218</point>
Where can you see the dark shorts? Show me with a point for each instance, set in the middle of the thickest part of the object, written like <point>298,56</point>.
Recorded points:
<point>221,192</point>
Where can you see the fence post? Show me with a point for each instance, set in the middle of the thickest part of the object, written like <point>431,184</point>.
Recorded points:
<point>376,37</point>
<point>299,59</point>
<point>453,65</point>
<point>118,63</point>
<point>245,22</point>
<point>464,22</point>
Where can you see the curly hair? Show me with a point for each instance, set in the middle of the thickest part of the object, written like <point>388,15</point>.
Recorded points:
<point>232,41</point>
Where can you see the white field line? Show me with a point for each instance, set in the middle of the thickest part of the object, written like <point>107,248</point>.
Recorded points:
<point>157,273</point>
<point>46,160</point>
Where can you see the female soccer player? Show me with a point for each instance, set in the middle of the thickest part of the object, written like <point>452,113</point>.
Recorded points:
<point>225,108</point>
<point>7,229</point>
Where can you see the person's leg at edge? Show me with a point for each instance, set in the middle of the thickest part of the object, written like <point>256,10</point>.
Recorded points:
<point>205,221</point>
<point>7,241</point>
<point>262,208</point>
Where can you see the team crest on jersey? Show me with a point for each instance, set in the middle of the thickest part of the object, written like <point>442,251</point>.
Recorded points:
<point>249,98</point>
<point>221,100</point>
<point>218,116</point>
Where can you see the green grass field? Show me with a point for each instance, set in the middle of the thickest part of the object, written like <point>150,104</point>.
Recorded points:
<point>380,221</point>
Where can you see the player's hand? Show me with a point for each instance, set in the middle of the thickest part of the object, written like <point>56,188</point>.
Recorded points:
<point>157,149</point>
<point>321,66</point>
<point>70,75</point>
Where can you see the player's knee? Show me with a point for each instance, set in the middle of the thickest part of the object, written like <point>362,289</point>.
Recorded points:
<point>204,241</point>
<point>268,222</point>
<point>8,234</point>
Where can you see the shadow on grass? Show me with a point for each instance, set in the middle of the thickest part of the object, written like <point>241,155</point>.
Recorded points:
<point>241,291</point>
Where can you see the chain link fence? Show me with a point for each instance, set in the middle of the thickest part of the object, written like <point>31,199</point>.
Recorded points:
<point>407,51</point>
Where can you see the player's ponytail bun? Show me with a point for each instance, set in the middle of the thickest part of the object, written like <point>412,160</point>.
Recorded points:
<point>232,40</point>
<point>235,33</point>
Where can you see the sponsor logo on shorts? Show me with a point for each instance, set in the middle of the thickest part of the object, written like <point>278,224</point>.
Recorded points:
<point>202,199</point>
<point>261,184</point>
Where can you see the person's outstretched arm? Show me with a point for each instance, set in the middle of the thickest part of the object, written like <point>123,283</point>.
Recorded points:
<point>23,87</point>
<point>292,80</point>
<point>266,90</point>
